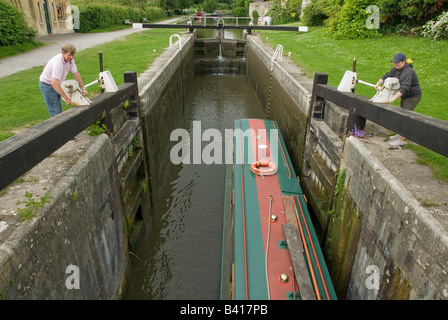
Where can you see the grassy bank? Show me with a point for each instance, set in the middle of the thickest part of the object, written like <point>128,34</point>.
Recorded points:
<point>6,51</point>
<point>21,102</point>
<point>316,51</point>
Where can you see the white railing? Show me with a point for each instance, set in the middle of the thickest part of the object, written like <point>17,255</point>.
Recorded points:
<point>278,54</point>
<point>171,41</point>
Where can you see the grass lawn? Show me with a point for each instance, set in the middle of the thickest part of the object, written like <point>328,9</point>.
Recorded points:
<point>316,51</point>
<point>6,51</point>
<point>21,102</point>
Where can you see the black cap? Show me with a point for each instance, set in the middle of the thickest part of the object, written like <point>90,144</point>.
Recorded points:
<point>399,57</point>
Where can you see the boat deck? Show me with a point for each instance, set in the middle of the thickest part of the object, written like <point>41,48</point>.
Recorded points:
<point>266,224</point>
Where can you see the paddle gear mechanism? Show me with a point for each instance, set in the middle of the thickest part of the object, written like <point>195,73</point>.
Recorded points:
<point>74,92</point>
<point>71,88</point>
<point>384,94</point>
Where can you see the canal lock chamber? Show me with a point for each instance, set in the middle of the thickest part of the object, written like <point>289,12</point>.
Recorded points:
<point>205,84</point>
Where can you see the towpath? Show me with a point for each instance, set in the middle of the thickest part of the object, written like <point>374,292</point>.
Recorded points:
<point>40,56</point>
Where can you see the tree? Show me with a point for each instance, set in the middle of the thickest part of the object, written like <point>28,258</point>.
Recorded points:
<point>210,5</point>
<point>168,4</point>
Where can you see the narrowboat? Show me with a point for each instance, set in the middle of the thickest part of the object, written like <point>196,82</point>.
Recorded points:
<point>270,249</point>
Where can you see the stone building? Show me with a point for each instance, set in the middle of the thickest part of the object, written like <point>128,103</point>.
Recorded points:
<point>46,17</point>
<point>262,7</point>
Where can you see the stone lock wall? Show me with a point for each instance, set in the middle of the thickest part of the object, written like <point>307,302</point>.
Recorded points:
<point>284,95</point>
<point>77,245</point>
<point>162,107</point>
<point>400,242</point>
<point>39,259</point>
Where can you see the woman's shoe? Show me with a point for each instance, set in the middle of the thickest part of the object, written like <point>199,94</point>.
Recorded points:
<point>397,143</point>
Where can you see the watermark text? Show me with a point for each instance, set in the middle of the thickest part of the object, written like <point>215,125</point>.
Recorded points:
<point>72,281</point>
<point>373,21</point>
<point>373,280</point>
<point>211,147</point>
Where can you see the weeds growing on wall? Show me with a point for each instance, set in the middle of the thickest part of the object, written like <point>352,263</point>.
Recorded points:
<point>32,204</point>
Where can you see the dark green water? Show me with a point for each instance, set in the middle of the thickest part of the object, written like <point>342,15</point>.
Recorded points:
<point>180,256</point>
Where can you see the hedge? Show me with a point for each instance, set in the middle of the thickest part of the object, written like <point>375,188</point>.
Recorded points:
<point>13,28</point>
<point>102,16</point>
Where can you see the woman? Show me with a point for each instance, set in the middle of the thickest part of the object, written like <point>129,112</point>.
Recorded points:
<point>410,91</point>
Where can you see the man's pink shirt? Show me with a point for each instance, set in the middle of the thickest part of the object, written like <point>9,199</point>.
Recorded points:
<point>57,68</point>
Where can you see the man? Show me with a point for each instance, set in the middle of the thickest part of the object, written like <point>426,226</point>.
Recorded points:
<point>410,91</point>
<point>54,74</point>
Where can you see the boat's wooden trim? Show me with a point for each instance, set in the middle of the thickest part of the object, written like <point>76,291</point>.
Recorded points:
<point>298,262</point>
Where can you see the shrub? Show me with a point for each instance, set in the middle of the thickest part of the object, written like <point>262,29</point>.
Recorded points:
<point>102,16</point>
<point>436,29</point>
<point>240,12</point>
<point>285,11</point>
<point>405,14</point>
<point>13,27</point>
<point>315,13</point>
<point>350,22</point>
<point>240,8</point>
<point>255,15</point>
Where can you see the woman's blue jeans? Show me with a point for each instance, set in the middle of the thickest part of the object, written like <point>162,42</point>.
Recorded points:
<point>52,98</point>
